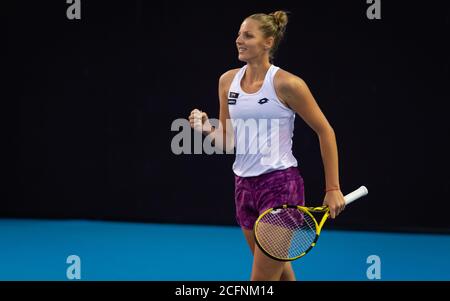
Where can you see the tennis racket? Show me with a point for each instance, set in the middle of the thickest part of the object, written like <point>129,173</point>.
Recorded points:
<point>288,232</point>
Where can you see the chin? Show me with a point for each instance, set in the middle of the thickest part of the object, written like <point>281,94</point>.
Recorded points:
<point>242,58</point>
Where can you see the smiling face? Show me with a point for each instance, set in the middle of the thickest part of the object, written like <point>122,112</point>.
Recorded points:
<point>251,43</point>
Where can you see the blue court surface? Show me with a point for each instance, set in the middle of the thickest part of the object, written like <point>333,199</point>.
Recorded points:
<point>38,250</point>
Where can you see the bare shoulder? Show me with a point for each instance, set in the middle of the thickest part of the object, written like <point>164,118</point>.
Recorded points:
<point>227,77</point>
<point>285,81</point>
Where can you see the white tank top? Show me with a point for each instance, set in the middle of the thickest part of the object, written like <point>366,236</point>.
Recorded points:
<point>263,128</point>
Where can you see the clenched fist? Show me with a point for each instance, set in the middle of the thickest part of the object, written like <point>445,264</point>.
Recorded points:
<point>199,122</point>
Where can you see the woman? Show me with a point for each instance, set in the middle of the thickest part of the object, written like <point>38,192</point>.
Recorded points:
<point>259,92</point>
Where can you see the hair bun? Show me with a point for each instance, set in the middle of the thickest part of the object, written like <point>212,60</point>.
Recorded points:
<point>281,19</point>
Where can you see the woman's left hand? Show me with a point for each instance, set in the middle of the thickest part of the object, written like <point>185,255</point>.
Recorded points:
<point>334,199</point>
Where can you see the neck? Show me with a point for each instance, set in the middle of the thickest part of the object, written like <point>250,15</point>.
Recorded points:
<point>256,71</point>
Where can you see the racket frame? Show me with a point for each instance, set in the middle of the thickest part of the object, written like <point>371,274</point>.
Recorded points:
<point>307,210</point>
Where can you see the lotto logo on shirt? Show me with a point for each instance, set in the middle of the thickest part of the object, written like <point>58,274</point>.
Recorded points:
<point>263,101</point>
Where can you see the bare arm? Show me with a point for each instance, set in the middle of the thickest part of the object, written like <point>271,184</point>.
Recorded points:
<point>294,91</point>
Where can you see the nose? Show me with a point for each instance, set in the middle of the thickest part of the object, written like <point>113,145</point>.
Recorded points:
<point>238,40</point>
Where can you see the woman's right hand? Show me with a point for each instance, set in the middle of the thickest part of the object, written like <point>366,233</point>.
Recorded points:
<point>199,121</point>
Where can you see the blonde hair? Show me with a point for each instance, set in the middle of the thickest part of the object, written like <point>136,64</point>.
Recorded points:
<point>272,25</point>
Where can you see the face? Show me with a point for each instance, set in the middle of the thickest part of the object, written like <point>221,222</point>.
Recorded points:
<point>251,43</point>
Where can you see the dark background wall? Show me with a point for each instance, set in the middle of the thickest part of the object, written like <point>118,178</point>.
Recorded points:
<point>88,106</point>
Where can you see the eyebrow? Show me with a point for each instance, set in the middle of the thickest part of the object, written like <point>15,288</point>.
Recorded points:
<point>247,31</point>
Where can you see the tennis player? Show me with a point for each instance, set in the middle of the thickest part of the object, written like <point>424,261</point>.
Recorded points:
<point>260,102</point>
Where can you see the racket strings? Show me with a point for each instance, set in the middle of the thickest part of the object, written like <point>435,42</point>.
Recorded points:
<point>286,233</point>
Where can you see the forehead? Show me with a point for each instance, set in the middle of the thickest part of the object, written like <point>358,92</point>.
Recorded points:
<point>249,25</point>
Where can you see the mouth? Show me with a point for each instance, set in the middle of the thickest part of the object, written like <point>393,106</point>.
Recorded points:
<point>241,49</point>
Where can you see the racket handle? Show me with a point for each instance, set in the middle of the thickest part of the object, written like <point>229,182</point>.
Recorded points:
<point>354,195</point>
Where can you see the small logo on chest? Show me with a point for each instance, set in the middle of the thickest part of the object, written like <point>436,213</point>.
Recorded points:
<point>232,98</point>
<point>263,101</point>
<point>234,95</point>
